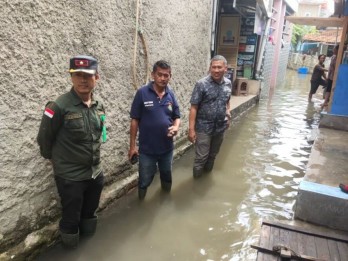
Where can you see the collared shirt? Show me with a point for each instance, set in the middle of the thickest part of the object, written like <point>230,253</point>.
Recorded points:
<point>211,98</point>
<point>155,116</point>
<point>70,135</point>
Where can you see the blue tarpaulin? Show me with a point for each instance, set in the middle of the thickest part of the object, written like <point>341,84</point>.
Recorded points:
<point>340,98</point>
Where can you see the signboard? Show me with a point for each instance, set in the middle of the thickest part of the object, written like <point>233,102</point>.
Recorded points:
<point>229,30</point>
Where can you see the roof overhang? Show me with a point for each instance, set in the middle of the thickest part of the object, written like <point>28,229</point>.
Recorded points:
<point>316,21</point>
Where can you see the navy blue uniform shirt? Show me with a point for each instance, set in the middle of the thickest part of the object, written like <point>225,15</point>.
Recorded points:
<point>155,116</point>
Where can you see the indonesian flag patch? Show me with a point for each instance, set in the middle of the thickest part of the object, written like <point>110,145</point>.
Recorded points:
<point>49,113</point>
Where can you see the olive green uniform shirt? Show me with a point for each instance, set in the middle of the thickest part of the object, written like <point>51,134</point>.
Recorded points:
<point>70,135</point>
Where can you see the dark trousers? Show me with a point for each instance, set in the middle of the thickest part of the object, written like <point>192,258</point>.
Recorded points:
<point>79,200</point>
<point>148,167</point>
<point>315,85</point>
<point>206,147</point>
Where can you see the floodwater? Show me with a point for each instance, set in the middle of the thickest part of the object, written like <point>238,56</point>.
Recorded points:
<point>217,217</point>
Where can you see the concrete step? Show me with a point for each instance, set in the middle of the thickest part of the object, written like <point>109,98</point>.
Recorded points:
<point>320,201</point>
<point>322,205</point>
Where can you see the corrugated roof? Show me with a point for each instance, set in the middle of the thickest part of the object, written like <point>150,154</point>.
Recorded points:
<point>326,36</point>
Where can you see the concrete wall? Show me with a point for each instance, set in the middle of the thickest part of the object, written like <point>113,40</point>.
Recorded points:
<point>267,69</point>
<point>308,10</point>
<point>283,62</point>
<point>297,60</point>
<point>37,39</point>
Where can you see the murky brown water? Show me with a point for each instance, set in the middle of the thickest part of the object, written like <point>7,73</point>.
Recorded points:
<point>217,217</point>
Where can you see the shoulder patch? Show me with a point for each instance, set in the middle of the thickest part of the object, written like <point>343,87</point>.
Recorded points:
<point>49,112</point>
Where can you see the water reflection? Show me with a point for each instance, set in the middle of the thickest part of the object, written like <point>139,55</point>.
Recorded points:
<point>217,217</point>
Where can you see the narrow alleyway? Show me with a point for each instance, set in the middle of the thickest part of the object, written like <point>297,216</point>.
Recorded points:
<point>217,217</point>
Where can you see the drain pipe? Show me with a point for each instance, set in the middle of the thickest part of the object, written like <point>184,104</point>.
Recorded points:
<point>213,26</point>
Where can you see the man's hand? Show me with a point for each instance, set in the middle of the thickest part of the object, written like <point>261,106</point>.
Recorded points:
<point>192,135</point>
<point>172,131</point>
<point>132,152</point>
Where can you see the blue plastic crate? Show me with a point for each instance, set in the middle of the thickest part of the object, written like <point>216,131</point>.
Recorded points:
<point>302,70</point>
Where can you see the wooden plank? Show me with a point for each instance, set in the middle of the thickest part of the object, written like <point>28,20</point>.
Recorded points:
<point>310,246</point>
<point>309,243</point>
<point>266,252</point>
<point>333,248</point>
<point>264,241</point>
<point>306,245</point>
<point>301,242</point>
<point>293,241</point>
<point>274,240</point>
<point>266,257</point>
<point>322,248</point>
<point>327,234</point>
<point>264,236</point>
<point>284,237</point>
<point>343,250</point>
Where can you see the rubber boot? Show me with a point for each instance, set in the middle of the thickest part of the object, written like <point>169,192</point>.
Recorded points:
<point>209,165</point>
<point>88,226</point>
<point>197,173</point>
<point>166,186</point>
<point>70,241</point>
<point>141,193</point>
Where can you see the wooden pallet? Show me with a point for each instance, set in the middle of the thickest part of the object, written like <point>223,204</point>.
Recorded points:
<point>297,243</point>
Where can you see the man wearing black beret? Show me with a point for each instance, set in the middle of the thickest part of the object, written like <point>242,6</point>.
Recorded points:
<point>70,135</point>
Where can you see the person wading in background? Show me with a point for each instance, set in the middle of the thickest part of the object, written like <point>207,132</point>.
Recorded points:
<point>155,113</point>
<point>318,77</point>
<point>209,115</point>
<point>70,136</point>
<point>330,76</point>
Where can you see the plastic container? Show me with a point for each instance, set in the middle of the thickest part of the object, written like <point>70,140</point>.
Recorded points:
<point>302,70</point>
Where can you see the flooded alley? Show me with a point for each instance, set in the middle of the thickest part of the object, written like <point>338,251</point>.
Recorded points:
<point>217,217</point>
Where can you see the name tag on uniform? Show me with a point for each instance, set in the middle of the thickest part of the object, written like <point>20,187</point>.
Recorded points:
<point>148,103</point>
<point>72,116</point>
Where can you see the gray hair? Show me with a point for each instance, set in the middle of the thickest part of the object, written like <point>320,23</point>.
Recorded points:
<point>218,58</point>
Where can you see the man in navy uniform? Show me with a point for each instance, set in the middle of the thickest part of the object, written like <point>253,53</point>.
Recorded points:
<point>70,136</point>
<point>155,112</point>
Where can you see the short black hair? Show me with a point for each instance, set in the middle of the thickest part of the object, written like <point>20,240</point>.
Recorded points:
<point>320,55</point>
<point>161,64</point>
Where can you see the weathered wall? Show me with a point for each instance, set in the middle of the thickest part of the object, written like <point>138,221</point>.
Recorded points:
<point>297,60</point>
<point>283,62</point>
<point>37,38</point>
<point>267,66</point>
